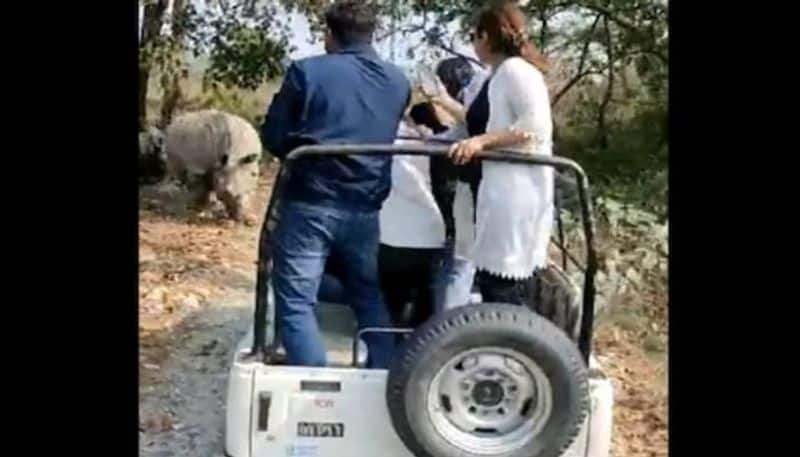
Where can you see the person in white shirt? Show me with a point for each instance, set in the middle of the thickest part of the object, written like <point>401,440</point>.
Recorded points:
<point>515,201</point>
<point>412,227</point>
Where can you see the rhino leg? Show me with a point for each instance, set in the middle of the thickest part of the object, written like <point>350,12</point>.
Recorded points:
<point>234,205</point>
<point>200,187</point>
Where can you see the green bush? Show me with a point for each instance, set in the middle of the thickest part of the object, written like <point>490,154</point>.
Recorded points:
<point>633,166</point>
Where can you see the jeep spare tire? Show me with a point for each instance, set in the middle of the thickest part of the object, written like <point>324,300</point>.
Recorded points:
<point>488,380</point>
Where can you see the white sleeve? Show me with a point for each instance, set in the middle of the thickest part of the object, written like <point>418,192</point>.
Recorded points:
<point>411,178</point>
<point>524,88</point>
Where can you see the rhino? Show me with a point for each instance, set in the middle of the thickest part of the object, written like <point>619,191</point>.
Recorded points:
<point>214,152</point>
<point>152,159</point>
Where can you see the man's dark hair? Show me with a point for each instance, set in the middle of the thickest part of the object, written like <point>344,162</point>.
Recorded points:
<point>455,73</point>
<point>352,21</point>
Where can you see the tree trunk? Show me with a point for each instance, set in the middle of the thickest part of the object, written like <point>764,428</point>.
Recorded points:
<point>580,74</point>
<point>602,129</point>
<point>543,32</point>
<point>173,93</point>
<point>152,20</point>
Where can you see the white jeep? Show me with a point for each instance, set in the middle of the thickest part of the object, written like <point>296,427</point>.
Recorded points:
<point>481,380</point>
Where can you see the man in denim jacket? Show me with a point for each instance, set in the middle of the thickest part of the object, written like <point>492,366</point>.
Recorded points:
<point>331,204</point>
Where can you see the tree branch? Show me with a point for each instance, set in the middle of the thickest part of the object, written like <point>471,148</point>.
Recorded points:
<point>543,32</point>
<point>411,29</point>
<point>610,15</point>
<point>575,80</point>
<point>586,43</point>
<point>580,74</point>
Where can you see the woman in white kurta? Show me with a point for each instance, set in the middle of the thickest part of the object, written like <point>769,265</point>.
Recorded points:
<point>515,201</point>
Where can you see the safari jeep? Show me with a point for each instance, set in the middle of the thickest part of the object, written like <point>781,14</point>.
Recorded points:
<point>481,380</point>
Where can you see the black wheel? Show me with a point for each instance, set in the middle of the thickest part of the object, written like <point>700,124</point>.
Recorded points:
<point>488,380</point>
<point>555,297</point>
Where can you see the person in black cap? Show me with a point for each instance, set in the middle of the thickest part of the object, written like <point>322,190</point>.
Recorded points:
<point>464,95</point>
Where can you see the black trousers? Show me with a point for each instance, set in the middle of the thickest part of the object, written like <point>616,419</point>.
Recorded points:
<point>444,177</point>
<point>407,280</point>
<point>496,289</point>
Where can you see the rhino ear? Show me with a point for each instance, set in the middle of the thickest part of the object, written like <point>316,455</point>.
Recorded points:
<point>248,159</point>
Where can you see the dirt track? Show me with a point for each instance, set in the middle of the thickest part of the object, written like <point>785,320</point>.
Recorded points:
<point>189,399</point>
<point>196,295</point>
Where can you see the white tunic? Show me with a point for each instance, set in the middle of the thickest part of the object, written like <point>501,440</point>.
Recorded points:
<point>410,217</point>
<point>515,201</point>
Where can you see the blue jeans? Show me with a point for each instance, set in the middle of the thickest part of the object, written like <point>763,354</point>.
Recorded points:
<point>453,285</point>
<point>331,290</point>
<point>302,241</point>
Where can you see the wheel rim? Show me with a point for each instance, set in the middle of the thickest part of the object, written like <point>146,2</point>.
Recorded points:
<point>490,400</point>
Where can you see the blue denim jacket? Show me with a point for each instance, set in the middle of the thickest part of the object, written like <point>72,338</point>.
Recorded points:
<point>350,96</point>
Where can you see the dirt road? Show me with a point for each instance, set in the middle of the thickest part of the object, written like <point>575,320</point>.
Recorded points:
<point>197,281</point>
<point>186,408</point>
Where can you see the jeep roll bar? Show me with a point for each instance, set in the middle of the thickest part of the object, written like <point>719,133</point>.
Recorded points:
<point>265,341</point>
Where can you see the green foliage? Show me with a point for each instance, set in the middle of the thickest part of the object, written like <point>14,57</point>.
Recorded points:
<point>165,57</point>
<point>237,58</point>
<point>246,43</point>
<point>633,254</point>
<point>633,167</point>
<point>622,143</point>
<point>244,103</point>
